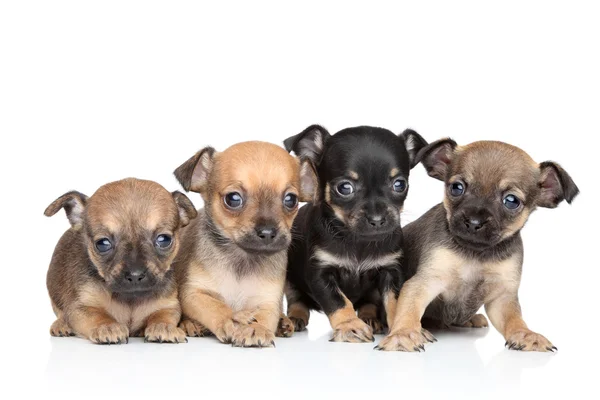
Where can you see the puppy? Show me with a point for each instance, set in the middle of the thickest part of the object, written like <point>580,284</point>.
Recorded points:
<point>110,276</point>
<point>467,251</point>
<point>347,246</point>
<point>233,262</point>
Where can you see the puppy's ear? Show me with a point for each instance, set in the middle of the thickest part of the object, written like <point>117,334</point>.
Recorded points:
<point>193,174</point>
<point>436,157</point>
<point>74,205</point>
<point>556,185</point>
<point>414,143</point>
<point>309,143</point>
<point>309,183</point>
<point>187,211</point>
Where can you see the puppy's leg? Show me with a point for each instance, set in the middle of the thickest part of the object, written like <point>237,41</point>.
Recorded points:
<point>390,281</point>
<point>97,325</point>
<point>368,313</point>
<point>162,327</point>
<point>193,328</point>
<point>476,321</point>
<point>505,314</point>
<point>208,309</point>
<point>260,332</point>
<point>297,311</point>
<point>285,327</point>
<point>406,333</point>
<point>60,327</point>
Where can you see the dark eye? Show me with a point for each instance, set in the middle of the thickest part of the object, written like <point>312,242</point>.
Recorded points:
<point>399,185</point>
<point>511,202</point>
<point>345,188</point>
<point>234,200</point>
<point>163,241</point>
<point>457,189</point>
<point>290,201</point>
<point>104,245</point>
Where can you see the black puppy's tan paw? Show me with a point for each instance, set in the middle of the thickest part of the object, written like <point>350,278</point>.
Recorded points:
<point>406,340</point>
<point>164,333</point>
<point>526,340</point>
<point>253,335</point>
<point>476,321</point>
<point>193,328</point>
<point>113,333</point>
<point>352,331</point>
<point>285,327</point>
<point>375,324</point>
<point>60,328</point>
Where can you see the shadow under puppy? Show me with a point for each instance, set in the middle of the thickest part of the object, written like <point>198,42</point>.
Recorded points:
<point>233,263</point>
<point>110,276</point>
<point>467,251</point>
<point>347,245</point>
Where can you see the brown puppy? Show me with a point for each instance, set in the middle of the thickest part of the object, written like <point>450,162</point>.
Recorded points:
<point>467,251</point>
<point>110,275</point>
<point>234,257</point>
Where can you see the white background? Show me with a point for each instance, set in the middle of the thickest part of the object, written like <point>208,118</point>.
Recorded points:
<point>92,92</point>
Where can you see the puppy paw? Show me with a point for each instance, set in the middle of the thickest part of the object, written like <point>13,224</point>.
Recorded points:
<point>113,333</point>
<point>244,317</point>
<point>352,331</point>
<point>253,335</point>
<point>406,340</point>
<point>193,328</point>
<point>527,340</point>
<point>225,330</point>
<point>164,333</point>
<point>61,329</point>
<point>285,327</point>
<point>476,321</point>
<point>375,324</point>
<point>299,323</point>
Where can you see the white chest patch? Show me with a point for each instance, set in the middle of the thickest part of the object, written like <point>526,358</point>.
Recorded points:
<point>325,258</point>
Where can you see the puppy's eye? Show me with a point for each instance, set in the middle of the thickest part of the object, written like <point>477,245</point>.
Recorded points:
<point>233,200</point>
<point>290,201</point>
<point>104,245</point>
<point>345,188</point>
<point>163,241</point>
<point>511,202</point>
<point>399,185</point>
<point>457,189</point>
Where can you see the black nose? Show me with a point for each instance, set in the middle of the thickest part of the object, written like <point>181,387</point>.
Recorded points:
<point>135,275</point>
<point>376,221</point>
<point>266,233</point>
<point>474,224</point>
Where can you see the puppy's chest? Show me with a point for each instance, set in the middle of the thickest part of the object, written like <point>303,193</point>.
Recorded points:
<point>353,263</point>
<point>246,292</point>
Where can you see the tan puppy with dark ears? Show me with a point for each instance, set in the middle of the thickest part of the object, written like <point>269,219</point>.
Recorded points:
<point>111,274</point>
<point>467,251</point>
<point>234,255</point>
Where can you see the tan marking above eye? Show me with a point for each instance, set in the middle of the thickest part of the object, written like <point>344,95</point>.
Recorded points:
<point>394,172</point>
<point>353,175</point>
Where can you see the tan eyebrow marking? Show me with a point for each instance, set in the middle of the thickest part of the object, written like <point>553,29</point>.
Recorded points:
<point>353,175</point>
<point>394,172</point>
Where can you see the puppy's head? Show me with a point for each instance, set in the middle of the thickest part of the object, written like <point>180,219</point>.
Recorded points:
<point>492,188</point>
<point>251,193</point>
<point>131,231</point>
<point>363,174</point>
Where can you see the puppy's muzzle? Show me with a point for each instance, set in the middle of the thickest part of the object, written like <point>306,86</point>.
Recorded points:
<point>135,279</point>
<point>264,239</point>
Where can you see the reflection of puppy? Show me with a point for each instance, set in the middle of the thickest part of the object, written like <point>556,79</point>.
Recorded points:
<point>111,272</point>
<point>347,246</point>
<point>234,259</point>
<point>467,251</point>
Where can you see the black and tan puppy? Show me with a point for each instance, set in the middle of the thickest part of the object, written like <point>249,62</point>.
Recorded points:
<point>234,255</point>
<point>467,251</point>
<point>110,275</point>
<point>347,245</point>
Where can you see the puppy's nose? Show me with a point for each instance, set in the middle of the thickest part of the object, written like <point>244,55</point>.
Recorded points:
<point>266,233</point>
<point>376,221</point>
<point>474,224</point>
<point>135,275</point>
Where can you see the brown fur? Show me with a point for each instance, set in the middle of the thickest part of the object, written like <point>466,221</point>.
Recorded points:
<point>234,293</point>
<point>80,281</point>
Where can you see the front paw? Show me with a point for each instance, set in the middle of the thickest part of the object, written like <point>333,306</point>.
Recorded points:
<point>527,340</point>
<point>299,324</point>
<point>406,340</point>
<point>225,330</point>
<point>253,335</point>
<point>164,333</point>
<point>112,333</point>
<point>61,329</point>
<point>285,327</point>
<point>193,328</point>
<point>375,324</point>
<point>352,331</point>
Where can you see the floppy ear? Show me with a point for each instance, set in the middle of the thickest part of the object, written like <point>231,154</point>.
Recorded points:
<point>74,205</point>
<point>193,174</point>
<point>556,185</point>
<point>309,183</point>
<point>187,211</point>
<point>309,143</point>
<point>414,143</point>
<point>436,157</point>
